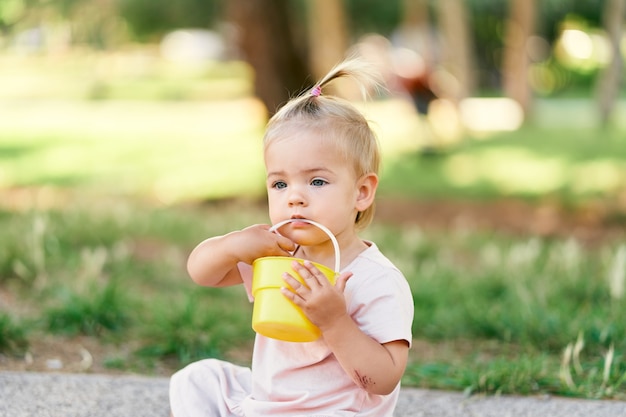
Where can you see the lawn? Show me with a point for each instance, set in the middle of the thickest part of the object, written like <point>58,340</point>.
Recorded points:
<point>495,313</point>
<point>102,198</point>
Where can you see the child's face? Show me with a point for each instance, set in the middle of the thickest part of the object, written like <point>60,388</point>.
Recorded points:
<point>307,178</point>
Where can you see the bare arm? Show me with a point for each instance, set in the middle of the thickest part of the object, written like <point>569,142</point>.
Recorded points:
<point>375,367</point>
<point>213,262</point>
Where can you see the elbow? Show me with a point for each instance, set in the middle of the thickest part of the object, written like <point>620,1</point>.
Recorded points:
<point>195,272</point>
<point>207,276</point>
<point>380,386</point>
<point>382,389</point>
<point>193,275</point>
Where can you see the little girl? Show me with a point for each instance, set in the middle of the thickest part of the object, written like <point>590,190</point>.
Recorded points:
<point>321,159</point>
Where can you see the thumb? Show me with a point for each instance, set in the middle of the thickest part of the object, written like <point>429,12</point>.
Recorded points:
<point>340,282</point>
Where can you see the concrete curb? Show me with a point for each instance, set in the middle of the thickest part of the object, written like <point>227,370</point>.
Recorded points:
<point>86,395</point>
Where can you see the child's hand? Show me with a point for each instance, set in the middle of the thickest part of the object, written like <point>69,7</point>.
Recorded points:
<point>257,241</point>
<point>322,302</point>
<point>213,262</point>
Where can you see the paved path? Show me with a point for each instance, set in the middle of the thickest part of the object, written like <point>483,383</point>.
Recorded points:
<point>85,395</point>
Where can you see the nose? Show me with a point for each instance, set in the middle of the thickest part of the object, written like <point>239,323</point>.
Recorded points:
<point>296,197</point>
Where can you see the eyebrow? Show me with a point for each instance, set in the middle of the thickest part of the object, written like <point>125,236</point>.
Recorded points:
<point>305,171</point>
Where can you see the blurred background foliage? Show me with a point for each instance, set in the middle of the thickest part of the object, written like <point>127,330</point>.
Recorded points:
<point>456,73</point>
<point>39,26</point>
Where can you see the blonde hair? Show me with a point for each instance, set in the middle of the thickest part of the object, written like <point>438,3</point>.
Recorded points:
<point>335,119</point>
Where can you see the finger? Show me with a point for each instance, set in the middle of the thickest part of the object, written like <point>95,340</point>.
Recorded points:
<point>296,291</point>
<point>290,295</point>
<point>309,272</point>
<point>283,252</point>
<point>320,277</point>
<point>294,284</point>
<point>342,279</point>
<point>286,244</point>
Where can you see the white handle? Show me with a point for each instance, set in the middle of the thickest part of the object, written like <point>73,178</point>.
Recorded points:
<point>321,226</point>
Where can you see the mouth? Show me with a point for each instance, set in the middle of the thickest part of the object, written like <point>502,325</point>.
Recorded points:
<point>295,222</point>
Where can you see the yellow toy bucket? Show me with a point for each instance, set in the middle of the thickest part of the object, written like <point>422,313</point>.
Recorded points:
<point>273,314</point>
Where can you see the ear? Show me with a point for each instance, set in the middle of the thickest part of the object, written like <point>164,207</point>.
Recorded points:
<point>366,191</point>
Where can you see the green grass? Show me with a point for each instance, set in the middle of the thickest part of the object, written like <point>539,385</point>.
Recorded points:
<point>97,310</point>
<point>185,151</point>
<point>12,334</point>
<point>510,306</point>
<point>568,165</point>
<point>534,296</point>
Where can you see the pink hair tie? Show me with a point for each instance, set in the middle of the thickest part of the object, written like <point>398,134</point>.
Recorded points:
<point>316,91</point>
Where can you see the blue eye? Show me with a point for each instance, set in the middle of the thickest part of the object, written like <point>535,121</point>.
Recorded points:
<point>318,182</point>
<point>279,185</point>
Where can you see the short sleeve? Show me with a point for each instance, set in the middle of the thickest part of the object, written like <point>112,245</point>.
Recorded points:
<point>245,270</point>
<point>380,301</point>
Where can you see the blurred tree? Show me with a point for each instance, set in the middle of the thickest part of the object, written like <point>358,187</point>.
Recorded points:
<point>328,35</point>
<point>416,18</point>
<point>414,72</point>
<point>610,78</point>
<point>266,39</point>
<point>487,37</point>
<point>473,30</point>
<point>373,16</point>
<point>150,19</point>
<point>95,23</point>
<point>12,12</point>
<point>553,12</point>
<point>458,58</point>
<point>92,22</point>
<point>516,62</point>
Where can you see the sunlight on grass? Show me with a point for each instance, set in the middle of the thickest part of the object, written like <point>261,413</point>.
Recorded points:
<point>136,73</point>
<point>509,169</point>
<point>176,150</point>
<point>196,150</point>
<point>491,114</point>
<point>131,123</point>
<point>604,175</point>
<point>519,170</point>
<point>396,124</point>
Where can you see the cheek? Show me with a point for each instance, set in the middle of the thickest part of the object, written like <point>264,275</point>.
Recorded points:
<point>271,201</point>
<point>273,208</point>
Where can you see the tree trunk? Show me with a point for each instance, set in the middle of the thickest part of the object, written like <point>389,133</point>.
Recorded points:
<point>266,39</point>
<point>520,26</point>
<point>610,79</point>
<point>328,38</point>
<point>416,29</point>
<point>457,50</point>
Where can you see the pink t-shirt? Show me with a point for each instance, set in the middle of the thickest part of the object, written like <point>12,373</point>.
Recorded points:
<point>291,379</point>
